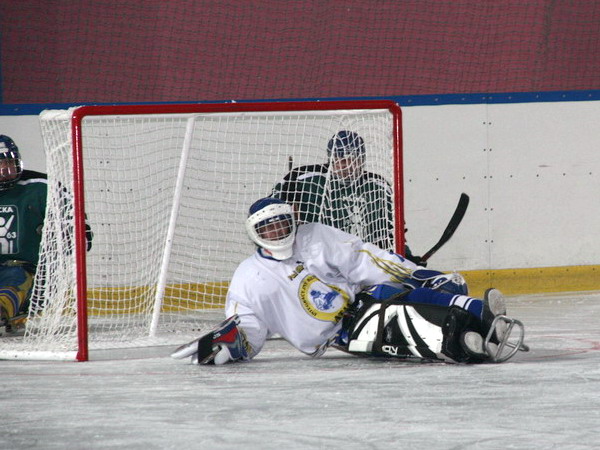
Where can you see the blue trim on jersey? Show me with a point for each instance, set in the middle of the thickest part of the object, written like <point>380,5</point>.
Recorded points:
<point>429,296</point>
<point>262,255</point>
<point>382,292</point>
<point>402,100</point>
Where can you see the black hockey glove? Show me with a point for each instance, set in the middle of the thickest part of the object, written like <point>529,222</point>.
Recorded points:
<point>224,344</point>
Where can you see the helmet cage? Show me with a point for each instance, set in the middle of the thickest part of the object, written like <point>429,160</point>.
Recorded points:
<point>273,228</point>
<point>11,168</point>
<point>276,219</point>
<point>346,153</point>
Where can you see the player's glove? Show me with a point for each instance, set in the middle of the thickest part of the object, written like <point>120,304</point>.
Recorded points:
<point>452,283</point>
<point>225,343</point>
<point>418,261</point>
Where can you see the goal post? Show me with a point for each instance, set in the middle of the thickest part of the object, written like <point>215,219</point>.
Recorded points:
<point>165,190</point>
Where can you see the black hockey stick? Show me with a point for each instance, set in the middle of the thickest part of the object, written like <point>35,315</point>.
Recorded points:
<point>457,217</point>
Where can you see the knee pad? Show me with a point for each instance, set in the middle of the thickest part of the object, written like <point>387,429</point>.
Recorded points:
<point>456,323</point>
<point>395,328</point>
<point>16,283</point>
<point>403,329</point>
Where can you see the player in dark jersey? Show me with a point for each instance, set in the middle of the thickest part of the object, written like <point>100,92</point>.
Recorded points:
<point>340,193</point>
<point>22,210</point>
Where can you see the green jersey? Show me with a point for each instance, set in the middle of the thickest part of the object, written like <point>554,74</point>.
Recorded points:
<point>363,207</point>
<point>22,212</point>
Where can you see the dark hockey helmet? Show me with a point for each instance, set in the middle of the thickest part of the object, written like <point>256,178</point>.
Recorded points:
<point>346,143</point>
<point>272,227</point>
<point>346,153</point>
<point>11,166</point>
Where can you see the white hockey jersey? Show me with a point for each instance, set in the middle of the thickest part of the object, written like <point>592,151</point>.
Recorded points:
<point>304,297</point>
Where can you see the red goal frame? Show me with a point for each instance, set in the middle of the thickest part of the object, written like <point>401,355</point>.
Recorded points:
<point>98,110</point>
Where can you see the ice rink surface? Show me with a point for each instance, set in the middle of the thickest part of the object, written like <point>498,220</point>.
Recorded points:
<point>548,398</point>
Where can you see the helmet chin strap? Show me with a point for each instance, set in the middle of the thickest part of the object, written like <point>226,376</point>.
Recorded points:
<point>268,254</point>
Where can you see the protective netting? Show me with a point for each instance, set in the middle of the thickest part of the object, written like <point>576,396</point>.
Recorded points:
<point>152,50</point>
<point>166,196</point>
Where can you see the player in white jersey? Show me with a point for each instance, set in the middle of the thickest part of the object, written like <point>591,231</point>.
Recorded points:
<point>317,286</point>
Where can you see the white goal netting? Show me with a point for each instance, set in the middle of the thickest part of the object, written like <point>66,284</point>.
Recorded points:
<point>166,196</point>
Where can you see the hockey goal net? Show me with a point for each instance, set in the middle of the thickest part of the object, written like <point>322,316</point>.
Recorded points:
<point>165,190</point>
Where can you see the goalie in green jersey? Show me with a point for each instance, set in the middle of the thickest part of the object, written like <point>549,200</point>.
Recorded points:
<point>22,210</point>
<point>342,194</point>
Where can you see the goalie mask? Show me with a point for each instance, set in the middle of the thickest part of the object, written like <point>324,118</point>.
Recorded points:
<point>346,153</point>
<point>272,227</point>
<point>11,166</point>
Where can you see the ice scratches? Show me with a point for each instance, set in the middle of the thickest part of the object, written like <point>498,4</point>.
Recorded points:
<point>547,398</point>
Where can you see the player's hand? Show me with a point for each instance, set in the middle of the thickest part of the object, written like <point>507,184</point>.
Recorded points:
<point>418,261</point>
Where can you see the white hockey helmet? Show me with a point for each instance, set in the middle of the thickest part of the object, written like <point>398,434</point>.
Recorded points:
<point>272,227</point>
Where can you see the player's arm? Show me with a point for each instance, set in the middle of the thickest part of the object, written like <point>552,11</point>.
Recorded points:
<point>286,185</point>
<point>375,264</point>
<point>360,262</point>
<point>303,189</point>
<point>255,331</point>
<point>238,338</point>
<point>379,218</point>
<point>67,207</point>
<point>291,188</point>
<point>223,344</point>
<point>379,213</point>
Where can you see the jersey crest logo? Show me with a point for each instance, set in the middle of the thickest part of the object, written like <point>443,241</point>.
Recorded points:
<point>322,301</point>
